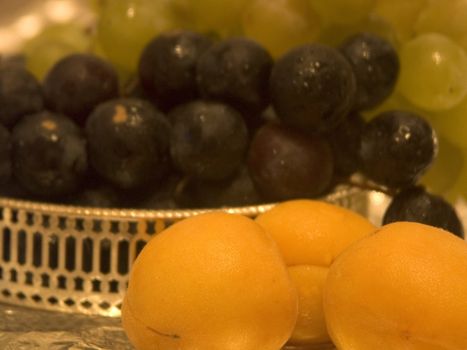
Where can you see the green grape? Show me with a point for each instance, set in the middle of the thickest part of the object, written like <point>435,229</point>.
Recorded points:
<point>54,43</point>
<point>452,124</point>
<point>95,5</point>
<point>211,16</point>
<point>447,17</point>
<point>342,11</point>
<point>126,26</point>
<point>433,72</point>
<point>280,25</point>
<point>400,15</point>
<point>446,168</point>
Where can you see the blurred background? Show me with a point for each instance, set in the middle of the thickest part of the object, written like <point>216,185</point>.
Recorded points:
<point>23,20</point>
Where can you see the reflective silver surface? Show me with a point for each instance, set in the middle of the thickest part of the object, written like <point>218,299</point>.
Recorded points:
<point>25,329</point>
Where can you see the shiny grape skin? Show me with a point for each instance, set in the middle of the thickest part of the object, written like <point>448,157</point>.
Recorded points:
<point>78,83</point>
<point>12,189</point>
<point>236,71</point>
<point>96,197</point>
<point>376,66</point>
<point>345,143</point>
<point>286,164</point>
<point>5,155</point>
<point>160,197</point>
<point>49,155</point>
<point>236,191</point>
<point>20,94</point>
<point>396,148</point>
<point>167,67</point>
<point>128,142</point>
<point>312,87</point>
<point>209,140</point>
<point>416,205</point>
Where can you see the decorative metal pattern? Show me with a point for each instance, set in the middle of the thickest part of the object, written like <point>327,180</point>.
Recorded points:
<point>76,259</point>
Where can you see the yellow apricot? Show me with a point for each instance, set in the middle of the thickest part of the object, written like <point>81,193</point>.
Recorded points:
<point>310,232</point>
<point>310,235</point>
<point>214,281</point>
<point>311,326</point>
<point>404,287</point>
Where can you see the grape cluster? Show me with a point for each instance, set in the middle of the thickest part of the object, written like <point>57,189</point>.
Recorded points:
<point>429,36</point>
<point>213,123</point>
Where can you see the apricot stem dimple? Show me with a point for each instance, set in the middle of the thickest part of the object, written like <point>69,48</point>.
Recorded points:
<point>173,336</point>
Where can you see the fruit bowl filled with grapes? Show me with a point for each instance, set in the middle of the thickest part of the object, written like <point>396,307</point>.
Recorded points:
<point>119,118</point>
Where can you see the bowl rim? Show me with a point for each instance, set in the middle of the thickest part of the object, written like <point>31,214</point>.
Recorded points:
<point>132,213</point>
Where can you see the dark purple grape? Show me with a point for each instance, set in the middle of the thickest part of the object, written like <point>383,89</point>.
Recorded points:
<point>20,94</point>
<point>161,197</point>
<point>167,67</point>
<point>416,205</point>
<point>13,61</point>
<point>345,143</point>
<point>12,189</point>
<point>209,139</point>
<point>134,89</point>
<point>376,66</point>
<point>102,196</point>
<point>5,155</point>
<point>312,87</point>
<point>49,154</point>
<point>235,191</point>
<point>236,71</point>
<point>78,83</point>
<point>286,164</point>
<point>128,142</point>
<point>396,148</point>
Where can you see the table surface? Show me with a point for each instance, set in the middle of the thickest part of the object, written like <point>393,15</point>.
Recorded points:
<point>25,329</point>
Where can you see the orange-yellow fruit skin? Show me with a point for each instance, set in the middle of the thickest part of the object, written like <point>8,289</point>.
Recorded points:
<point>313,232</point>
<point>140,335</point>
<point>215,281</point>
<point>311,326</point>
<point>403,288</point>
<point>310,235</point>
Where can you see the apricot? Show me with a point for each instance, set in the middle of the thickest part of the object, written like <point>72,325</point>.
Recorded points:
<point>310,326</point>
<point>214,281</point>
<point>310,235</point>
<point>404,287</point>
